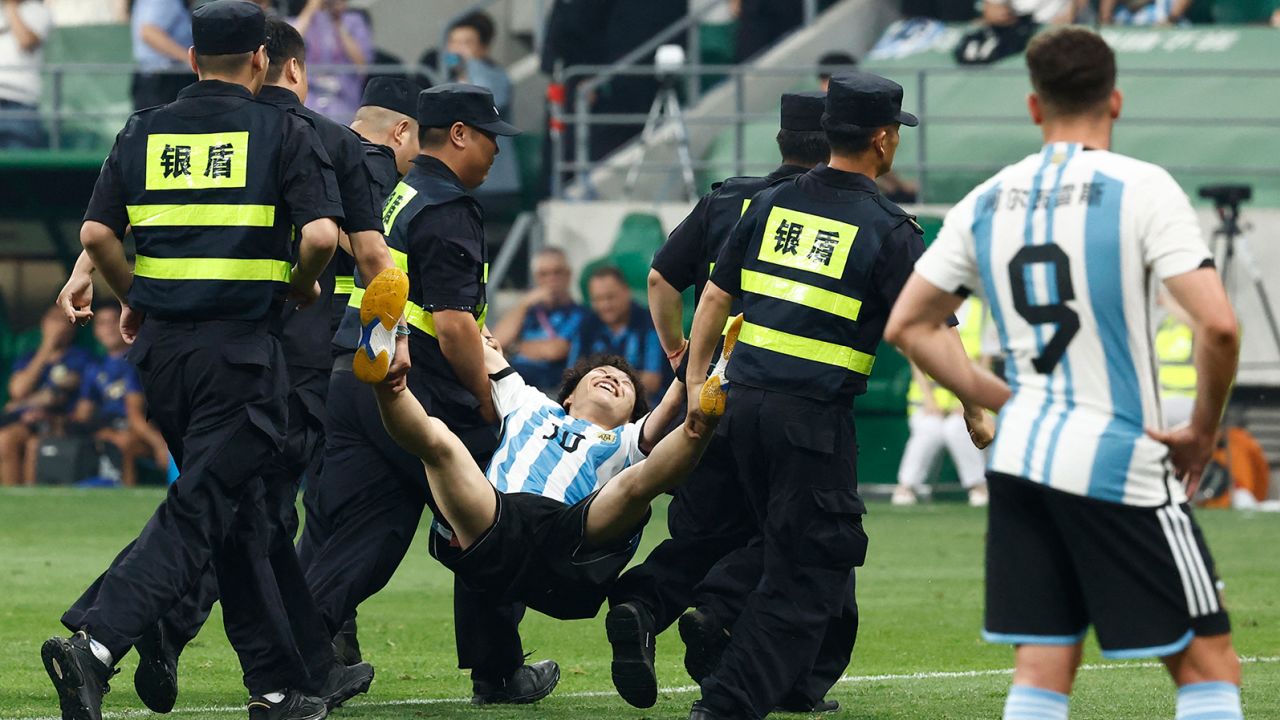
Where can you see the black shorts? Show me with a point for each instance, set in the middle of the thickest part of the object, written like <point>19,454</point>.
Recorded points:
<point>1057,563</point>
<point>532,554</point>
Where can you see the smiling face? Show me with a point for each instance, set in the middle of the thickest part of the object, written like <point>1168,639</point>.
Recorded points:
<point>605,396</point>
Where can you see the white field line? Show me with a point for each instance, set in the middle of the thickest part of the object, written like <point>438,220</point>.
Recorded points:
<point>892,677</point>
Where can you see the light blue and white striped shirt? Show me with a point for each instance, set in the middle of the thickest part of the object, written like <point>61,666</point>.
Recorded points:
<point>546,451</point>
<point>1067,247</point>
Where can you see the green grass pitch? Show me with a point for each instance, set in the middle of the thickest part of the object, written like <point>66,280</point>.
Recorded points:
<point>918,654</point>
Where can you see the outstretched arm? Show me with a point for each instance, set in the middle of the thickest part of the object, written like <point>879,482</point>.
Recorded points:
<point>660,418</point>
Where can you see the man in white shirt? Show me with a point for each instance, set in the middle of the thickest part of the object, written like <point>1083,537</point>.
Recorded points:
<point>1043,12</point>
<point>24,26</point>
<point>557,514</point>
<point>1088,524</point>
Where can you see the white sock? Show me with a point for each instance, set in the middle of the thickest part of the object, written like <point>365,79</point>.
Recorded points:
<point>101,652</point>
<point>1209,701</point>
<point>274,697</point>
<point>1032,703</point>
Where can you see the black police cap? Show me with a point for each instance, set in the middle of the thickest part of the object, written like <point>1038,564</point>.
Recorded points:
<point>802,111</point>
<point>395,94</point>
<point>444,105</point>
<point>228,27</point>
<point>862,101</point>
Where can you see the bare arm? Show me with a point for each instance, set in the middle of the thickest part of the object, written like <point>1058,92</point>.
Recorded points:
<point>667,308</point>
<point>369,248</point>
<point>507,330</point>
<point>463,348</point>
<point>1217,347</point>
<point>28,41</point>
<point>162,43</point>
<point>1106,11</point>
<point>661,417</point>
<point>708,325</point>
<point>302,23</point>
<point>106,252</point>
<point>76,297</point>
<point>547,349</point>
<point>918,327</point>
<point>350,46</point>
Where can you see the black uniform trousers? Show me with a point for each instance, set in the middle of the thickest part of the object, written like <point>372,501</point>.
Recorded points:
<point>304,445</point>
<point>363,511</point>
<point>217,391</point>
<point>796,463</point>
<point>708,518</point>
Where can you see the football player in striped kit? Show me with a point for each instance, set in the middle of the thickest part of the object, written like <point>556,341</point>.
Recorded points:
<point>1088,522</point>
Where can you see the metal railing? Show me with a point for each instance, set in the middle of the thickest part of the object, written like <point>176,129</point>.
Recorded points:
<point>579,118</point>
<point>55,112</point>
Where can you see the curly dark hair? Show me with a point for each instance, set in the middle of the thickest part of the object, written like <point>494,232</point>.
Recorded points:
<point>569,381</point>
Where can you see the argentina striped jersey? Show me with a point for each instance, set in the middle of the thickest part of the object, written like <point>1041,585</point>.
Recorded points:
<point>1067,247</point>
<point>546,451</point>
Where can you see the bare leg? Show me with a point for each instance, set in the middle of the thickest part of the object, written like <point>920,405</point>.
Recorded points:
<point>624,500</point>
<point>12,440</point>
<point>1048,667</point>
<point>461,491</point>
<point>29,460</point>
<point>1206,659</point>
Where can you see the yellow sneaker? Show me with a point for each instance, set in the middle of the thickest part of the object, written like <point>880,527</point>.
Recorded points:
<point>715,390</point>
<point>380,310</point>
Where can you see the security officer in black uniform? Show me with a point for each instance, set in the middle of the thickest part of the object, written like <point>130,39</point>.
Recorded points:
<point>365,509</point>
<point>306,338</point>
<point>213,185</point>
<point>817,262</point>
<point>388,130</point>
<point>706,516</point>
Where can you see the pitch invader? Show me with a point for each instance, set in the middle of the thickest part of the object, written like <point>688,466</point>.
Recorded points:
<point>1088,524</point>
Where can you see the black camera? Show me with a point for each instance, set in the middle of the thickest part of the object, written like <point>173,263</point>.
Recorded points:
<point>1227,194</point>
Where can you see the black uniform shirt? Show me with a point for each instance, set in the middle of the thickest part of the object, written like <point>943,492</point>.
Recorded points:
<point>308,186</point>
<point>684,259</point>
<point>308,332</point>
<point>899,250</point>
<point>446,249</point>
<point>380,162</point>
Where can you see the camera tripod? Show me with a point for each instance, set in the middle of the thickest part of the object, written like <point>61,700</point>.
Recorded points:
<point>1229,239</point>
<point>666,103</point>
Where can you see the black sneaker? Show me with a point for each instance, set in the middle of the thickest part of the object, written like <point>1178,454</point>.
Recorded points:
<point>345,682</point>
<point>705,640</point>
<point>795,704</point>
<point>528,684</point>
<point>294,706</point>
<point>156,679</point>
<point>78,675</point>
<point>629,627</point>
<point>699,712</point>
<point>346,645</point>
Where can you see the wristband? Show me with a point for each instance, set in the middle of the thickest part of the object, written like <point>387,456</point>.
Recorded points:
<point>683,347</point>
<point>402,331</point>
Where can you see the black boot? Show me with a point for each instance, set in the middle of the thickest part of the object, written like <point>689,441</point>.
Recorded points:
<point>294,706</point>
<point>528,684</point>
<point>705,640</point>
<point>698,712</point>
<point>77,674</point>
<point>156,679</point>
<point>629,626</point>
<point>345,682</point>
<point>796,704</point>
<point>346,645</point>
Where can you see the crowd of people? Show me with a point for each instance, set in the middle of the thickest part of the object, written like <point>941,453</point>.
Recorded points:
<point>61,391</point>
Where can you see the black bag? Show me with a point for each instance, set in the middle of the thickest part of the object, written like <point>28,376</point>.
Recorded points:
<point>65,460</point>
<point>988,44</point>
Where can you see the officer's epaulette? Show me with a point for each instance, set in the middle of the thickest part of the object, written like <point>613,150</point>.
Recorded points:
<point>893,209</point>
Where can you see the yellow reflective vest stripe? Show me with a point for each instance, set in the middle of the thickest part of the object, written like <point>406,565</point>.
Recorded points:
<point>212,269</point>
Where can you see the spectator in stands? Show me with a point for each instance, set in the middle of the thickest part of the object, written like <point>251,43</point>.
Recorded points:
<point>1003,13</point>
<point>619,325</point>
<point>467,60</point>
<point>24,26</point>
<point>335,36</point>
<point>834,63</point>
<point>1143,12</point>
<point>87,12</point>
<point>42,389</point>
<point>538,332</point>
<point>161,38</point>
<point>111,404</point>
